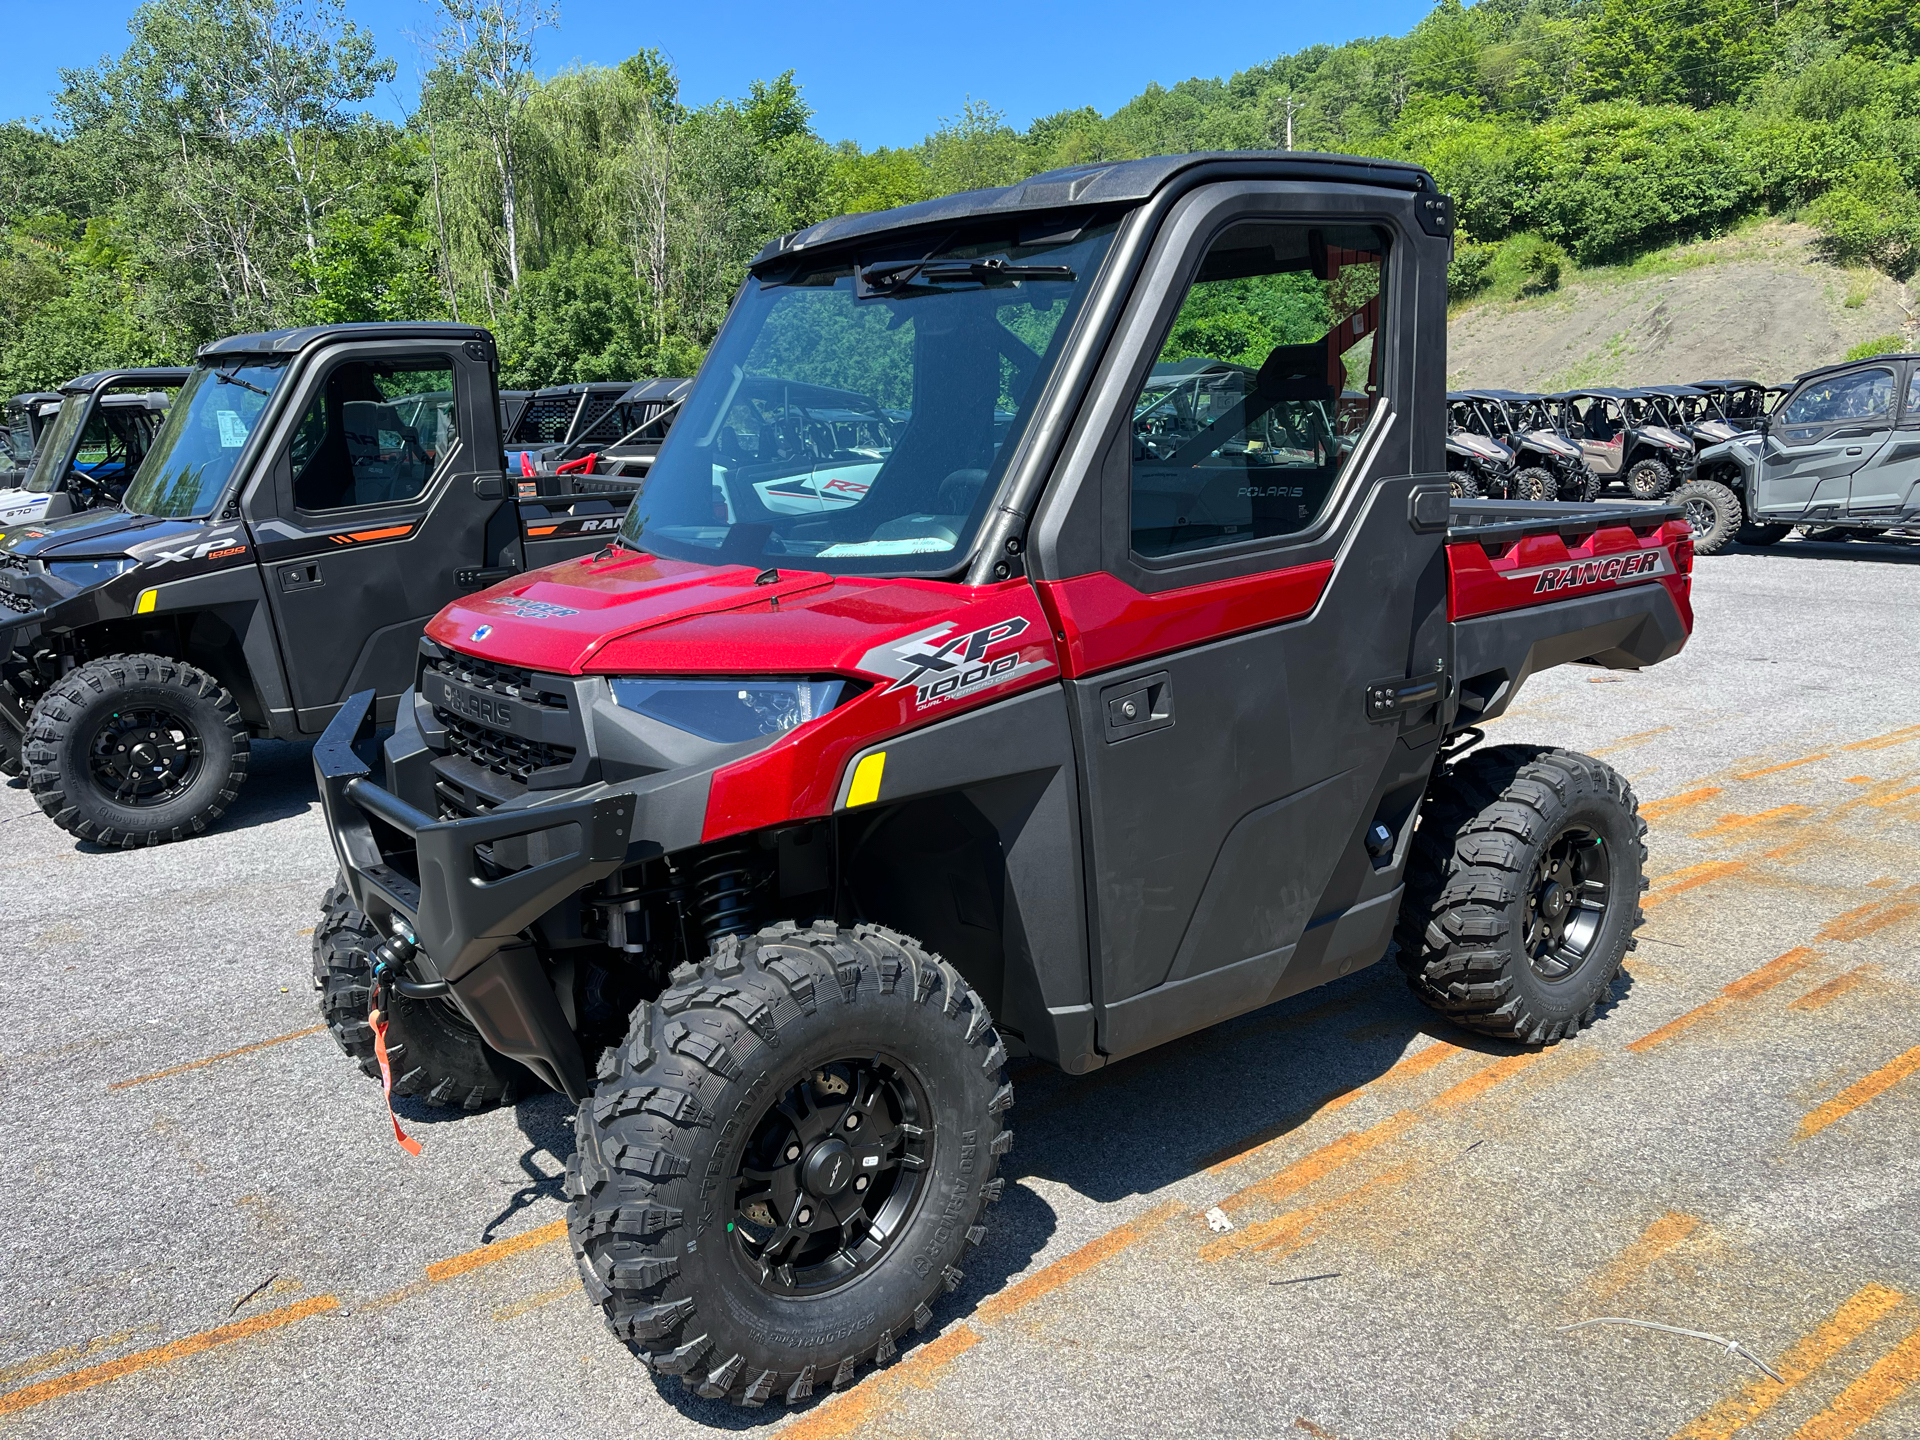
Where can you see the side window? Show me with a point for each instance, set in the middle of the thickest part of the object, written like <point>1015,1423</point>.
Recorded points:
<point>1861,395</point>
<point>1261,389</point>
<point>375,433</point>
<point>1913,396</point>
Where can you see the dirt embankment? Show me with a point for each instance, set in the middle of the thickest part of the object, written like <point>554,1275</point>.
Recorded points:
<point>1758,303</point>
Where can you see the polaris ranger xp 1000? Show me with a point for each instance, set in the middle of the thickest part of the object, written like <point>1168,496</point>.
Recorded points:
<point>1051,720</point>
<point>313,497</point>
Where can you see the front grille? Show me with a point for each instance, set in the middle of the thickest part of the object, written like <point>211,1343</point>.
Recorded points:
<point>20,604</point>
<point>503,754</point>
<point>11,561</point>
<point>506,680</point>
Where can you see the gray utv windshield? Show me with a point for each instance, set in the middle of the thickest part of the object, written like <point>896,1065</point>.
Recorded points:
<point>857,416</point>
<point>186,471</point>
<point>48,471</point>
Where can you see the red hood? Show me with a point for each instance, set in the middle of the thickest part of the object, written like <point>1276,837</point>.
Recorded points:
<point>623,613</point>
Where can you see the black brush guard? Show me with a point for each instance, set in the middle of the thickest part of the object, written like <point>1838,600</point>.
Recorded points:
<point>468,923</point>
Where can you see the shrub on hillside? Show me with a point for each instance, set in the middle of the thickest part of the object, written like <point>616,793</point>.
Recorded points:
<point>1871,218</point>
<point>1867,349</point>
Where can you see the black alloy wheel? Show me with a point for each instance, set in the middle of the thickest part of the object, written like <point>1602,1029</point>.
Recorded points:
<point>1568,903</point>
<point>832,1175</point>
<point>144,757</point>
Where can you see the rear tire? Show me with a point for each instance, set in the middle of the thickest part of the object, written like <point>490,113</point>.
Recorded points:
<point>136,750</point>
<point>1534,483</point>
<point>1713,511</point>
<point>1649,479</point>
<point>433,1051</point>
<point>1523,891</point>
<point>744,1072</point>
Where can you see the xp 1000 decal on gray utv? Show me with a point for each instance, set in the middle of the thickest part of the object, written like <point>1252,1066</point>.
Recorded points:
<point>1033,689</point>
<point>312,498</point>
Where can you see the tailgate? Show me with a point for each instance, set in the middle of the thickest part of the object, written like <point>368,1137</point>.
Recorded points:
<point>1515,554</point>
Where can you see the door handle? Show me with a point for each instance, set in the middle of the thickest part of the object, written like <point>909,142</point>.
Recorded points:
<point>1134,707</point>
<point>303,576</point>
<point>1855,450</point>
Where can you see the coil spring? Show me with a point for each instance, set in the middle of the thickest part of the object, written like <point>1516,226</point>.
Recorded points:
<point>722,887</point>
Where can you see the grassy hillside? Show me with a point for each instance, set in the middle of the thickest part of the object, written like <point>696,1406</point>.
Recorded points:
<point>1759,302</point>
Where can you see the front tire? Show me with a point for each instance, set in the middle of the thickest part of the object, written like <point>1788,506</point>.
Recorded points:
<point>136,750</point>
<point>1534,483</point>
<point>1464,485</point>
<point>433,1050</point>
<point>1523,891</point>
<point>733,1225</point>
<point>1649,479</point>
<point>1713,511</point>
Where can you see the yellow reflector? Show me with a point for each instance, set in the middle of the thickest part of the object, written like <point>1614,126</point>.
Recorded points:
<point>866,780</point>
<point>146,603</point>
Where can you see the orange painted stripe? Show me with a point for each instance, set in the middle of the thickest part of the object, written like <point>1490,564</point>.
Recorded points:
<point>1880,802</point>
<point>1866,1308</point>
<point>1868,918</point>
<point>1067,1268</point>
<point>1286,1233</point>
<point>1483,1080</point>
<point>1634,1261</point>
<point>1883,1384</point>
<point>1627,742</point>
<point>1656,809</point>
<point>386,533</point>
<point>1742,822</point>
<point>1692,878</point>
<point>1860,1092</point>
<point>216,1059</point>
<point>1825,994</point>
<point>854,1410</point>
<point>93,1375</point>
<point>1786,765</point>
<point>493,1254</point>
<point>1418,1063</point>
<point>1756,982</point>
<point>1891,738</point>
<point>1320,1163</point>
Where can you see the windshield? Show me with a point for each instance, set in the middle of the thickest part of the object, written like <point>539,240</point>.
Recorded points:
<point>186,471</point>
<point>18,439</point>
<point>863,427</point>
<point>49,460</point>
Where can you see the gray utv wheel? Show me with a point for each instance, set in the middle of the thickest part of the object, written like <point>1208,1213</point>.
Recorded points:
<point>1464,485</point>
<point>1649,479</point>
<point>433,1050</point>
<point>136,750</point>
<point>1523,891</point>
<point>1534,483</point>
<point>786,1162</point>
<point>1714,513</point>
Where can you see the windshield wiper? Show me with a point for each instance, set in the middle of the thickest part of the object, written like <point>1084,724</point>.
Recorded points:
<point>226,379</point>
<point>893,276</point>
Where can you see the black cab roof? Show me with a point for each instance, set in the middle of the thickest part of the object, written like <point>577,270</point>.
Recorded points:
<point>289,342</point>
<point>138,375</point>
<point>1092,186</point>
<point>1847,365</point>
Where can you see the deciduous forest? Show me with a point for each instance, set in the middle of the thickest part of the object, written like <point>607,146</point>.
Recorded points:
<point>224,172</point>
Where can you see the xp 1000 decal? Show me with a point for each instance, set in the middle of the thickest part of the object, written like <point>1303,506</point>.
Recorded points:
<point>939,665</point>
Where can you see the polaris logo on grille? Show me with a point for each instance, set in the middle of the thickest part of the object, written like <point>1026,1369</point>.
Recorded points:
<point>498,713</point>
<point>1639,566</point>
<point>941,666</point>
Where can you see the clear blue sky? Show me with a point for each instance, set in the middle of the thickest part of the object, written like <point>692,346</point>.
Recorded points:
<point>876,73</point>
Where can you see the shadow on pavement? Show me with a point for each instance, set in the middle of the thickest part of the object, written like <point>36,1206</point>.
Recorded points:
<point>1857,551</point>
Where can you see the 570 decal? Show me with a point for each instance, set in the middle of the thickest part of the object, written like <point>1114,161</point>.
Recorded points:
<point>939,665</point>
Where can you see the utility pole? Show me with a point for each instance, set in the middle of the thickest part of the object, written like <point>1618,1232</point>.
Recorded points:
<point>1290,122</point>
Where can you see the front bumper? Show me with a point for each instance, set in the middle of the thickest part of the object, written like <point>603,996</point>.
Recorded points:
<point>466,917</point>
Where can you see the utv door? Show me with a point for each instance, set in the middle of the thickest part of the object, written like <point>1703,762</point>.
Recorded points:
<point>385,473</point>
<point>1887,484</point>
<point>1819,438</point>
<point>1256,570</point>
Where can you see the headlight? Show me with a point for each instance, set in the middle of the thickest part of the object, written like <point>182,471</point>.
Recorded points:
<point>84,573</point>
<point>729,710</point>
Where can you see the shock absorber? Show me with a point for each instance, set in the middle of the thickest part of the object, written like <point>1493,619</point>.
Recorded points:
<point>723,884</point>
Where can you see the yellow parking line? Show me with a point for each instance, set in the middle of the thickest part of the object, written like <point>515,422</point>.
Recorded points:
<point>1658,809</point>
<point>1780,968</point>
<point>1826,994</point>
<point>1784,765</point>
<point>845,1414</point>
<point>1883,1383</point>
<point>216,1059</point>
<point>1860,1092</point>
<point>493,1254</point>
<point>1864,1309</point>
<point>1634,1261</point>
<point>1070,1267</point>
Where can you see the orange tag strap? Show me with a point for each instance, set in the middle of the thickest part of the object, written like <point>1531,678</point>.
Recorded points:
<point>407,1142</point>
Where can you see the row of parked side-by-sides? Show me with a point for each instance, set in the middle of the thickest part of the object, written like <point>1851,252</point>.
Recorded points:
<point>1834,452</point>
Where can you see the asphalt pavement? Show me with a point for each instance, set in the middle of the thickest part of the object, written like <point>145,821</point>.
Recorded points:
<point>211,1233</point>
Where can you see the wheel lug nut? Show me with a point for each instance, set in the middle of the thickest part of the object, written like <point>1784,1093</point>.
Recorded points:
<point>853,1122</point>
<point>805,1217</point>
<point>793,1152</point>
<point>861,1183</point>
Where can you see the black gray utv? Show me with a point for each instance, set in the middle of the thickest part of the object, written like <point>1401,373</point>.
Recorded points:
<point>92,441</point>
<point>1842,455</point>
<point>1622,438</point>
<point>1548,466</point>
